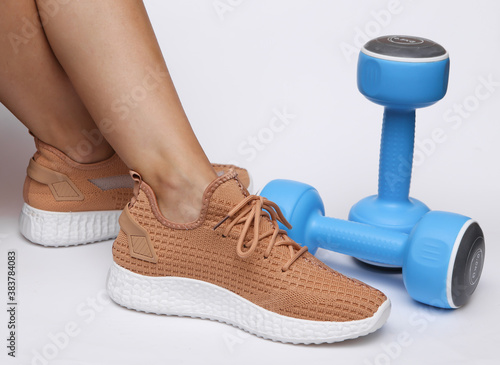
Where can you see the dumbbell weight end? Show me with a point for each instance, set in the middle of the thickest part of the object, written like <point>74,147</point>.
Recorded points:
<point>443,264</point>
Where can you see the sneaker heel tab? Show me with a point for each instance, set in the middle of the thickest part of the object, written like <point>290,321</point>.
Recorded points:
<point>137,185</point>
<point>136,176</point>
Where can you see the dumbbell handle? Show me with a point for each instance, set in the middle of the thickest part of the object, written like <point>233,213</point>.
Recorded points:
<point>357,239</point>
<point>396,154</point>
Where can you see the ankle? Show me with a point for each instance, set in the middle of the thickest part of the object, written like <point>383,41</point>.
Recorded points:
<point>180,195</point>
<point>86,149</point>
<point>91,155</point>
<point>81,144</point>
<point>79,148</point>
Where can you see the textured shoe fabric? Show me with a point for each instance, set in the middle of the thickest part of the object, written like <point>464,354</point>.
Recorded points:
<point>235,265</point>
<point>243,174</point>
<point>56,183</point>
<point>104,185</point>
<point>68,203</point>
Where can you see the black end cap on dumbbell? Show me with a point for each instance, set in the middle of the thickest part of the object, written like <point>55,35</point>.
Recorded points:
<point>405,47</point>
<point>468,265</point>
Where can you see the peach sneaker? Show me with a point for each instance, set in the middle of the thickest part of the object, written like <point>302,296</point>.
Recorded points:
<point>234,265</point>
<point>68,203</point>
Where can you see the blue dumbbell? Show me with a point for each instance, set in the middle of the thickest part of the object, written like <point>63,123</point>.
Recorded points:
<point>441,253</point>
<point>402,74</point>
<point>442,258</point>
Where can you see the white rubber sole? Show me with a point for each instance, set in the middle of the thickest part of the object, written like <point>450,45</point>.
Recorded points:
<point>58,229</point>
<point>194,298</point>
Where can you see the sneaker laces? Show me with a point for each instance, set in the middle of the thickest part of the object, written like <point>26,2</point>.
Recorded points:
<point>250,211</point>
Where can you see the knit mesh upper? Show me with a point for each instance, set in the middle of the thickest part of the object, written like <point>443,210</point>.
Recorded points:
<point>92,180</point>
<point>308,289</point>
<point>39,195</point>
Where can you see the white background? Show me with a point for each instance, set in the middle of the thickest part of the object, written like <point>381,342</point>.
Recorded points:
<point>232,70</point>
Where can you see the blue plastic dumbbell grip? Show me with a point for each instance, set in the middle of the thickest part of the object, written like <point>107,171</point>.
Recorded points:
<point>357,239</point>
<point>396,154</point>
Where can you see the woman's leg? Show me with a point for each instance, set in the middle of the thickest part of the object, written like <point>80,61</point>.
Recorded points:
<point>35,88</point>
<point>110,53</point>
